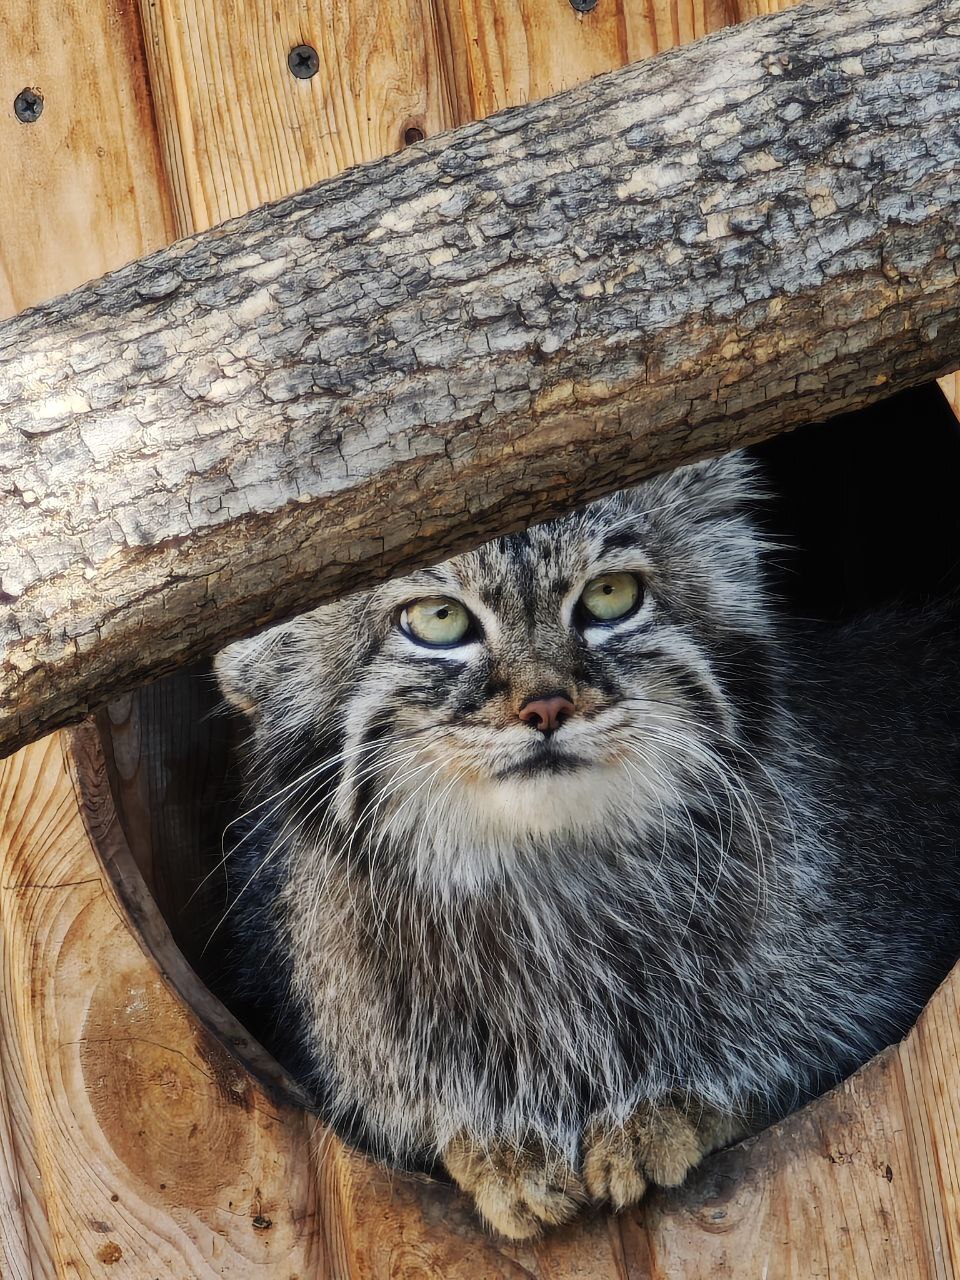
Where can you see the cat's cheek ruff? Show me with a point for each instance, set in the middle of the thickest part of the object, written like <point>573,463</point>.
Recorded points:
<point>488,819</point>
<point>423,754</point>
<point>374,749</point>
<point>401,757</point>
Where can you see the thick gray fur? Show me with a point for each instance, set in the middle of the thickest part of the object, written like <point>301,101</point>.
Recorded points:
<point>730,877</point>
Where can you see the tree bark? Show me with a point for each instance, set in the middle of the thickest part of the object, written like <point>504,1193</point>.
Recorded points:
<point>497,324</point>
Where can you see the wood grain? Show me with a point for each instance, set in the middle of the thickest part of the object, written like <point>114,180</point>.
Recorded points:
<point>26,1247</point>
<point>138,1143</point>
<point>382,70</point>
<point>527,50</point>
<point>488,329</point>
<point>517,53</point>
<point>239,129</point>
<point>82,189</point>
<point>951,389</point>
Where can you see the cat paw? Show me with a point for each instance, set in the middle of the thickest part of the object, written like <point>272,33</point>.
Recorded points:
<point>517,1190</point>
<point>658,1144</point>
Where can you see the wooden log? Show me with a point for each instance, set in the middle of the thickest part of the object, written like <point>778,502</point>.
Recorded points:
<point>685,255</point>
<point>415,65</point>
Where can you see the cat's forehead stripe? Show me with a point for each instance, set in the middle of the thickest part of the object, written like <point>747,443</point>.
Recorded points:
<point>618,540</point>
<point>516,575</point>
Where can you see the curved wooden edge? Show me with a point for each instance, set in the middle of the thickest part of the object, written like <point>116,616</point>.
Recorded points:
<point>130,1139</point>
<point>85,758</point>
<point>862,1182</point>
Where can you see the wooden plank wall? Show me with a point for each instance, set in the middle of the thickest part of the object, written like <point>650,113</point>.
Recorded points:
<point>83,189</point>
<point>237,129</point>
<point>130,1144</point>
<point>128,1147</point>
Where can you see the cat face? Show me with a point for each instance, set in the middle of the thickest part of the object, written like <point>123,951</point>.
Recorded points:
<point>571,682</point>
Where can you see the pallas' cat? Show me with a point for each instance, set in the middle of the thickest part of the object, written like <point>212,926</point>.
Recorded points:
<point>572,858</point>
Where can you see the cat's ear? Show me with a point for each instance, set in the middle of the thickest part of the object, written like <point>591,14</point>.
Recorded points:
<point>240,672</point>
<point>713,488</point>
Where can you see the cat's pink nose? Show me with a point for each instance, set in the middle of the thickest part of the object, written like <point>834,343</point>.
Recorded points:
<point>547,714</point>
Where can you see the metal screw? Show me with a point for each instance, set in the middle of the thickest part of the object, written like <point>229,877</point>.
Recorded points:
<point>584,6</point>
<point>303,61</point>
<point>413,134</point>
<point>28,105</point>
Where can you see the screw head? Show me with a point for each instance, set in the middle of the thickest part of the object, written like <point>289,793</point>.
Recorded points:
<point>303,61</point>
<point>584,6</point>
<point>28,105</point>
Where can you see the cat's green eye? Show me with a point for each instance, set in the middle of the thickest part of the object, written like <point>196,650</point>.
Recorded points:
<point>611,596</point>
<point>436,621</point>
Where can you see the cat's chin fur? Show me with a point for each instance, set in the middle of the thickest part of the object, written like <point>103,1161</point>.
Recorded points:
<point>498,825</point>
<point>473,825</point>
<point>736,895</point>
